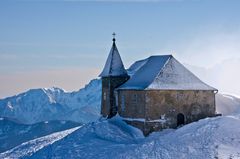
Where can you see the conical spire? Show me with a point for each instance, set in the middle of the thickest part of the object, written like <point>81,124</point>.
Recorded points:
<point>114,65</point>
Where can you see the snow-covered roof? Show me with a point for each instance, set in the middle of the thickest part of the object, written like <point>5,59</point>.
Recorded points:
<point>114,65</point>
<point>164,73</point>
<point>144,71</point>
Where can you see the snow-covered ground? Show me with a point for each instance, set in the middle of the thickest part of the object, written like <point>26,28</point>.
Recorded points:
<point>13,133</point>
<point>28,148</point>
<point>217,137</point>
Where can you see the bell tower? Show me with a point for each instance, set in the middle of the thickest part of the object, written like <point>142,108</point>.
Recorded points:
<point>113,75</point>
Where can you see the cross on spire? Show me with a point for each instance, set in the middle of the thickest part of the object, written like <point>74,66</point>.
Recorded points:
<point>114,34</point>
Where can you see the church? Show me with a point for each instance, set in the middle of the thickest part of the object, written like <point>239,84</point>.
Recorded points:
<point>154,93</point>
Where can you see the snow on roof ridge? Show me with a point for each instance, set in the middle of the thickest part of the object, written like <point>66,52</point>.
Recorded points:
<point>152,56</point>
<point>163,67</point>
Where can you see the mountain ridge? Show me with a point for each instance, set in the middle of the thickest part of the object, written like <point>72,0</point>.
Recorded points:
<point>42,104</point>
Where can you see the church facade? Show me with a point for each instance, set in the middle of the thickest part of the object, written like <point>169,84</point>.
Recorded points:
<point>154,93</point>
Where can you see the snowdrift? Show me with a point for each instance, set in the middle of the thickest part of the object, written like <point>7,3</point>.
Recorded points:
<point>217,137</point>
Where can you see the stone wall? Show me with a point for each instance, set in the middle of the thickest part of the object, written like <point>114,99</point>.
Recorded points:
<point>131,103</point>
<point>194,105</point>
<point>160,109</point>
<point>108,105</point>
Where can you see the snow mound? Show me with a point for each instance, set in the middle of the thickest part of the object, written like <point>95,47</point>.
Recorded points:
<point>43,104</point>
<point>208,138</point>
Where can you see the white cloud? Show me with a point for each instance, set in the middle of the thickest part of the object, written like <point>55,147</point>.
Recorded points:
<point>224,76</point>
<point>208,49</point>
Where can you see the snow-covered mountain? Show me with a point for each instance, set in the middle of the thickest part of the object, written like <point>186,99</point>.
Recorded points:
<point>38,105</point>
<point>82,106</point>
<point>13,133</point>
<point>209,138</point>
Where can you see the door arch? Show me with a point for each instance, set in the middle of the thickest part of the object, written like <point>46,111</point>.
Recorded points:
<point>180,119</point>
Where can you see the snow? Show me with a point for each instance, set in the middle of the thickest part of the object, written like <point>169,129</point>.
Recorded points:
<point>231,94</point>
<point>217,137</point>
<point>162,73</point>
<point>38,105</point>
<point>134,119</point>
<point>33,146</point>
<point>136,66</point>
<point>63,122</point>
<point>9,105</point>
<point>81,106</point>
<point>144,120</point>
<point>227,104</point>
<point>228,96</point>
<point>114,65</point>
<point>174,76</point>
<point>211,138</point>
<point>144,72</point>
<point>13,133</point>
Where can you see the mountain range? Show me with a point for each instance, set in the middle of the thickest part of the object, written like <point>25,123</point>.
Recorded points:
<point>37,105</point>
<point>83,106</point>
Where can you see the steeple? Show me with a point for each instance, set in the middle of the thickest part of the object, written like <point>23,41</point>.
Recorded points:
<point>114,65</point>
<point>112,76</point>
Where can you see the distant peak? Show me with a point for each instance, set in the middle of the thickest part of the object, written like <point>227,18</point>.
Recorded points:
<point>54,89</point>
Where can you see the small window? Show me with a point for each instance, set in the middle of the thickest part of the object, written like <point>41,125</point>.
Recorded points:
<point>104,95</point>
<point>134,99</point>
<point>122,103</point>
<point>116,98</point>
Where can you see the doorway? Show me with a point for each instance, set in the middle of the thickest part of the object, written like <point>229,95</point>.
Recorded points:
<point>180,119</point>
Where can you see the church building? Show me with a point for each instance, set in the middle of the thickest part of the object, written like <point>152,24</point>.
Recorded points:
<point>154,93</point>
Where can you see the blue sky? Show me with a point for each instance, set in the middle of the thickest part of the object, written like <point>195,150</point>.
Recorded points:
<point>65,43</point>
